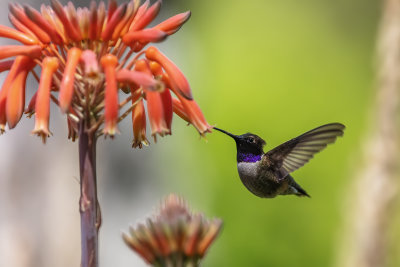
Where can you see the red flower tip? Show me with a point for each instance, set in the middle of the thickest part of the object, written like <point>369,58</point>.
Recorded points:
<point>67,82</point>
<point>70,30</point>
<point>18,12</point>
<point>109,62</point>
<point>42,105</point>
<point>147,17</point>
<point>113,21</point>
<point>173,24</point>
<point>37,18</point>
<point>144,36</point>
<point>178,80</point>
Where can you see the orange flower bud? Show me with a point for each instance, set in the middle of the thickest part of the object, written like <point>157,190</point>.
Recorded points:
<point>173,24</point>
<point>16,35</point>
<point>178,80</point>
<point>70,30</point>
<point>113,21</point>
<point>144,36</point>
<point>20,15</point>
<point>38,19</point>
<point>109,63</point>
<point>15,103</point>
<point>147,17</point>
<point>19,62</point>
<point>67,83</point>
<point>32,51</point>
<point>179,110</point>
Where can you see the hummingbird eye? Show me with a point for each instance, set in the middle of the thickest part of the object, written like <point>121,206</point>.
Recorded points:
<point>251,139</point>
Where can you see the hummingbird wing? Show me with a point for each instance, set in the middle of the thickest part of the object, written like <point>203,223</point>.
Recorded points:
<point>296,152</point>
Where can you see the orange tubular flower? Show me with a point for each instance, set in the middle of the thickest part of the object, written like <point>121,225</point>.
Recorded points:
<point>50,65</point>
<point>87,56</point>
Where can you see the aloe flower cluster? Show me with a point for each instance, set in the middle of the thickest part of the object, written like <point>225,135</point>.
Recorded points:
<point>175,236</point>
<point>87,56</point>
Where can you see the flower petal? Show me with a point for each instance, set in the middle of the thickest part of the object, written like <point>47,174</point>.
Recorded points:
<point>6,65</point>
<point>109,62</point>
<point>15,103</point>
<point>42,106</point>
<point>33,51</point>
<point>38,19</point>
<point>147,17</point>
<point>156,113</point>
<point>139,125</point>
<point>139,78</point>
<point>70,30</point>
<point>67,82</point>
<point>116,17</point>
<point>195,115</point>
<point>178,80</point>
<point>168,110</point>
<point>18,12</point>
<point>173,24</point>
<point>16,35</point>
<point>15,68</point>
<point>144,36</point>
<point>179,110</point>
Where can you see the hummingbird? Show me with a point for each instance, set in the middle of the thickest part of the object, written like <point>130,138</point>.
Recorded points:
<point>267,175</point>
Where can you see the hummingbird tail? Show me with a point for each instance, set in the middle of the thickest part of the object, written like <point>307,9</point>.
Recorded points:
<point>296,189</point>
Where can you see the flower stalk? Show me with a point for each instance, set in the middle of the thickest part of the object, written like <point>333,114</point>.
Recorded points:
<point>88,204</point>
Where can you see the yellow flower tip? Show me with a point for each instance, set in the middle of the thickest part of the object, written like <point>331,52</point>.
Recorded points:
<point>111,130</point>
<point>140,144</point>
<point>41,129</point>
<point>2,128</point>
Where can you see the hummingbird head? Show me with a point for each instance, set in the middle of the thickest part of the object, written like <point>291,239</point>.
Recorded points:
<point>249,146</point>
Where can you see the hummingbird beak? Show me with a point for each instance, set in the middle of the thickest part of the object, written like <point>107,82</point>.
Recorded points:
<point>225,132</point>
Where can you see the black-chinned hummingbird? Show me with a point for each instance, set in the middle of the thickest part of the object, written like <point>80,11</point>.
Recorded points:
<point>268,174</point>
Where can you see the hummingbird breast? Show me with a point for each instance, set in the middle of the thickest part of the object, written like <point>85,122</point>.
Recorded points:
<point>257,180</point>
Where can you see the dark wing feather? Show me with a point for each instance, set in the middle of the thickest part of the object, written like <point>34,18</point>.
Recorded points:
<point>296,152</point>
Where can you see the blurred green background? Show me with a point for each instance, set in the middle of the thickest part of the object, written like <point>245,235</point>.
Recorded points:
<point>277,69</point>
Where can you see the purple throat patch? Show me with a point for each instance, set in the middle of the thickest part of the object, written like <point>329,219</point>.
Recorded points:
<point>248,157</point>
